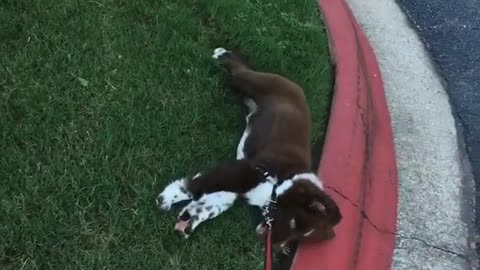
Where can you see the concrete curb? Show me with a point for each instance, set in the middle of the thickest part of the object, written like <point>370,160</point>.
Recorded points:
<point>358,162</point>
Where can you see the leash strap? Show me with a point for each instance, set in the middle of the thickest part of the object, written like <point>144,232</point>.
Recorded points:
<point>268,214</point>
<point>268,250</point>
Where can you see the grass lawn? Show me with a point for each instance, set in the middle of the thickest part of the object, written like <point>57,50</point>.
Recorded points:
<point>102,102</point>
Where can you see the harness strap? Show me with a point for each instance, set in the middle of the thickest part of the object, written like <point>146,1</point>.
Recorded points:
<point>268,214</point>
<point>263,171</point>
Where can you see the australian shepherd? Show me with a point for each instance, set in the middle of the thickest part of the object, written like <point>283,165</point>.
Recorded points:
<point>273,153</point>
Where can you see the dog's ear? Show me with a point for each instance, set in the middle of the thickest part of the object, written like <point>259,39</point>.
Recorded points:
<point>333,212</point>
<point>317,208</point>
<point>326,207</point>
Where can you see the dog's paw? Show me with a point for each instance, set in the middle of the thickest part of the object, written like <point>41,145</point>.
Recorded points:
<point>174,193</point>
<point>218,52</point>
<point>285,250</point>
<point>197,211</point>
<point>183,227</point>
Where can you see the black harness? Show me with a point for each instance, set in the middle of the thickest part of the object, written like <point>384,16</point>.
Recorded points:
<point>268,210</point>
<point>268,213</point>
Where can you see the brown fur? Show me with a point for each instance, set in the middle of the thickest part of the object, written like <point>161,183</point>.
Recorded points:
<point>279,140</point>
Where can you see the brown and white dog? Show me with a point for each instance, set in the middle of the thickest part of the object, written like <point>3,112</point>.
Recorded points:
<point>277,139</point>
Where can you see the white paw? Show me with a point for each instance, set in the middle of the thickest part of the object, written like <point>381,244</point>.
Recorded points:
<point>285,250</point>
<point>218,52</point>
<point>207,207</point>
<point>174,193</point>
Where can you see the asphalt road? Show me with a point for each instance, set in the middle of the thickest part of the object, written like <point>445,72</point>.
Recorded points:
<point>434,227</point>
<point>451,33</point>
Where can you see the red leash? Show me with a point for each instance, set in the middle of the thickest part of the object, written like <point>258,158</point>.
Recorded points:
<point>268,250</point>
<point>268,213</point>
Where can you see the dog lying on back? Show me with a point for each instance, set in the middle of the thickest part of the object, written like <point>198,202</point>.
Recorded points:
<point>276,140</point>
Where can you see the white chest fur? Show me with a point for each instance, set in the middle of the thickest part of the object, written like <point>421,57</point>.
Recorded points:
<point>252,107</point>
<point>260,195</point>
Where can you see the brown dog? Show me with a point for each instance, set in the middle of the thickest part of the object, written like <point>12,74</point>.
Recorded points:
<point>276,140</point>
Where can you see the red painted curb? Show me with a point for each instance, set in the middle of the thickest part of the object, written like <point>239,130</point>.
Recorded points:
<point>358,162</point>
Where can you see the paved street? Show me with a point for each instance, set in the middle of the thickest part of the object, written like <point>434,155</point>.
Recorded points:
<point>435,228</point>
<point>451,32</point>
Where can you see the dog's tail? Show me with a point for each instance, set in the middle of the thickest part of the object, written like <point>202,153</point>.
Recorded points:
<point>231,60</point>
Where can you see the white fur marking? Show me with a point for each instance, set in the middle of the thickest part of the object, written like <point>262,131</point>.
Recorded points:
<point>172,194</point>
<point>308,233</point>
<point>209,206</point>
<point>252,107</point>
<point>218,52</point>
<point>311,177</point>
<point>284,187</point>
<point>287,184</point>
<point>241,144</point>
<point>259,195</point>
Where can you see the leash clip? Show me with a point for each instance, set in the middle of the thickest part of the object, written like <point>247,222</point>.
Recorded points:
<point>268,222</point>
<point>270,207</point>
<point>267,213</point>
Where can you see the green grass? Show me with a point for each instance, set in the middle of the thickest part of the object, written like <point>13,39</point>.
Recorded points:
<point>102,102</point>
